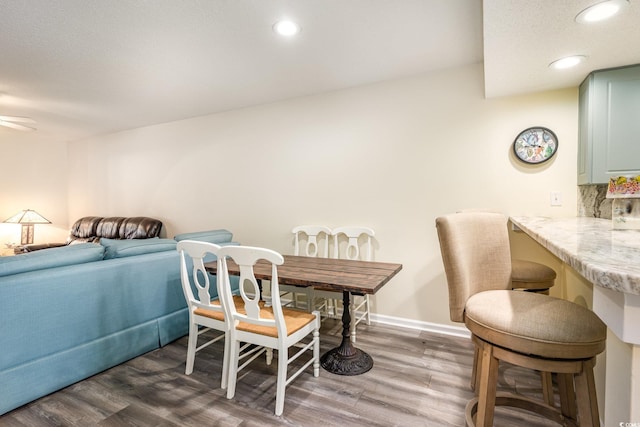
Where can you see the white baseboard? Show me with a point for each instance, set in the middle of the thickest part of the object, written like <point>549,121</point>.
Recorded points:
<point>456,331</point>
<point>438,328</point>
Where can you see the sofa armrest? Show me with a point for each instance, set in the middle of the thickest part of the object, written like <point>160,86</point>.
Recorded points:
<point>36,247</point>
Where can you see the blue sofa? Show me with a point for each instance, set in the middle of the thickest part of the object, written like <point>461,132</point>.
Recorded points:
<point>68,313</point>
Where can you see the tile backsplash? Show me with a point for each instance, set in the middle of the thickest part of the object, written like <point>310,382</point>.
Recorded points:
<point>592,201</point>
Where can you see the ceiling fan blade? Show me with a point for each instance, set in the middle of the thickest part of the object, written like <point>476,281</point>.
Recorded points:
<point>15,126</point>
<point>17,119</point>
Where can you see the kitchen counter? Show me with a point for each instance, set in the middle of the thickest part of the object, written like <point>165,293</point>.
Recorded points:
<point>610,260</point>
<point>606,257</point>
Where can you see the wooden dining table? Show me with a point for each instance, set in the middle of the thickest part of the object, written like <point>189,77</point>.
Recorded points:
<point>346,276</point>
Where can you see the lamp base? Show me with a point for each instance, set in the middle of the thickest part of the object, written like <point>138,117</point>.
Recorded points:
<point>27,234</point>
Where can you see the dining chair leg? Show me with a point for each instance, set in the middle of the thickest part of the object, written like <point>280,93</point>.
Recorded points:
<point>234,350</point>
<point>567,394</point>
<point>316,354</point>
<point>368,312</point>
<point>586,396</point>
<point>281,384</point>
<point>547,388</point>
<point>225,362</point>
<point>191,347</point>
<point>488,385</point>
<point>269,355</point>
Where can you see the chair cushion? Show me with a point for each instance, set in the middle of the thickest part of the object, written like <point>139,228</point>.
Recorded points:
<point>531,275</point>
<point>535,324</point>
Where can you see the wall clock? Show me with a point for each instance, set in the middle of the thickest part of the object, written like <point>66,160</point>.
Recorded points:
<point>535,145</point>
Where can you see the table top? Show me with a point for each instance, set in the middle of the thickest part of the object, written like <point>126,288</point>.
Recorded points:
<point>364,277</point>
<point>606,257</point>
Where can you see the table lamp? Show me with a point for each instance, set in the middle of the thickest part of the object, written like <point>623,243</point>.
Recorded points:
<point>27,218</point>
<point>625,192</point>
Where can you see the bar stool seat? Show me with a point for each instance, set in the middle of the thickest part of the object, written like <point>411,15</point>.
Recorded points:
<point>531,276</point>
<point>535,325</point>
<point>538,332</point>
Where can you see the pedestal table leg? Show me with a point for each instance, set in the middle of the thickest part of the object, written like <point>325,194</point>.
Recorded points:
<point>346,359</point>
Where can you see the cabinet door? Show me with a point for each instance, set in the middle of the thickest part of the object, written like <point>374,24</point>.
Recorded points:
<point>615,108</point>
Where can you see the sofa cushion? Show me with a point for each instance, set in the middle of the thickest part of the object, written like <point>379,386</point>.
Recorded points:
<point>140,227</point>
<point>115,248</point>
<point>50,258</point>
<point>92,228</point>
<point>210,236</point>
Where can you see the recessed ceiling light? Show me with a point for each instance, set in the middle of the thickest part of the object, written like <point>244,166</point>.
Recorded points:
<point>567,62</point>
<point>286,28</point>
<point>601,11</point>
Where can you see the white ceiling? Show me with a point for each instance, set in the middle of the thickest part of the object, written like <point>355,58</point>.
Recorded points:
<point>522,37</point>
<point>87,67</point>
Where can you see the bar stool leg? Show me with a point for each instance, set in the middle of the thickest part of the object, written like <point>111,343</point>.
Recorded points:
<point>475,371</point>
<point>547,388</point>
<point>567,394</point>
<point>586,396</point>
<point>488,384</point>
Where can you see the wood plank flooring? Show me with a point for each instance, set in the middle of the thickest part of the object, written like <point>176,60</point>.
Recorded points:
<point>418,379</point>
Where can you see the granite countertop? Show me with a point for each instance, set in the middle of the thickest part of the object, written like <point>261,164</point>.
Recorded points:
<point>606,257</point>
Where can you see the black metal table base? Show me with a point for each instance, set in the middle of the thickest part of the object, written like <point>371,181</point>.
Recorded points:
<point>346,359</point>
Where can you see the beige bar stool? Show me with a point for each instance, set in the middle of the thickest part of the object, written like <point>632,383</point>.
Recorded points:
<point>526,329</point>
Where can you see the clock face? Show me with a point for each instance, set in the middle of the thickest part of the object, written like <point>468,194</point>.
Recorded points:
<point>535,145</point>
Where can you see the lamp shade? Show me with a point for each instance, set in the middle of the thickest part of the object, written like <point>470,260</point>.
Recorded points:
<point>27,216</point>
<point>624,187</point>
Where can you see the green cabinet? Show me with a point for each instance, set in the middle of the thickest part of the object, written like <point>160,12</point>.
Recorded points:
<point>609,125</point>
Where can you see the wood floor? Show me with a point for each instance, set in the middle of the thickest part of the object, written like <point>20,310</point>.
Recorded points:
<point>418,379</point>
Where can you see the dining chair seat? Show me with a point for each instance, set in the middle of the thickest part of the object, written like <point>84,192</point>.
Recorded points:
<point>294,319</point>
<point>219,315</point>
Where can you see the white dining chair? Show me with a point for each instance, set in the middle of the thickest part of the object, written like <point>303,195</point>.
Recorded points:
<point>311,241</point>
<point>347,244</point>
<point>204,310</point>
<point>275,327</point>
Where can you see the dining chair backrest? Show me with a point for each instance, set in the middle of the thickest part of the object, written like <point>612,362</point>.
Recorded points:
<point>354,235</point>
<point>246,257</point>
<point>317,243</point>
<point>196,278</point>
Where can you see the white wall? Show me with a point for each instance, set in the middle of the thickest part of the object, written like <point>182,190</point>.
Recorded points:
<point>33,176</point>
<point>392,156</point>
